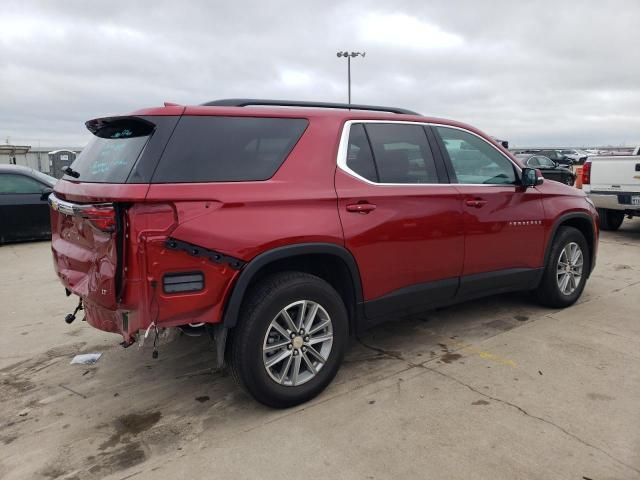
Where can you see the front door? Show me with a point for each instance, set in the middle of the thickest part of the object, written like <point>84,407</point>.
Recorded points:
<point>403,226</point>
<point>24,215</point>
<point>503,222</point>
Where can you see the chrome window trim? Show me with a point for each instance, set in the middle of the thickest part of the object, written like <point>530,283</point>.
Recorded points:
<point>343,149</point>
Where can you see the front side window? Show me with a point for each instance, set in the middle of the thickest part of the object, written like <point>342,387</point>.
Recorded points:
<point>11,184</point>
<point>402,153</point>
<point>474,160</point>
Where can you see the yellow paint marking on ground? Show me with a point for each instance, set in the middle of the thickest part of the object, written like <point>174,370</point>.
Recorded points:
<point>482,353</point>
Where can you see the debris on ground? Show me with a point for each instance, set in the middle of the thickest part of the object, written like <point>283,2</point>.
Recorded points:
<point>86,358</point>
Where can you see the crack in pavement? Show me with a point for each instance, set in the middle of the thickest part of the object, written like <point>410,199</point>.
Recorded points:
<point>496,399</point>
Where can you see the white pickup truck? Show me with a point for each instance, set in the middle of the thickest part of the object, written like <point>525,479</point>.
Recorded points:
<point>613,184</point>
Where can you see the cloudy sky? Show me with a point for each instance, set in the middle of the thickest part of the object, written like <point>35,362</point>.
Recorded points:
<point>533,72</point>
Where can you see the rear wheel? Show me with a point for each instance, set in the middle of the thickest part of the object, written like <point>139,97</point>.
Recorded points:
<point>610,219</point>
<point>566,271</point>
<point>291,339</point>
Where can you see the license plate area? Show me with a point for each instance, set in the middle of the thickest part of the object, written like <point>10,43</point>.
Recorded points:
<point>635,200</point>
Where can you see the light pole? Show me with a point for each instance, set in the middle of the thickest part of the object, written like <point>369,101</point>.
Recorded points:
<point>348,56</point>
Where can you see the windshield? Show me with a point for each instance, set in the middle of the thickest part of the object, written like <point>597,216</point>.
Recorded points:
<point>111,154</point>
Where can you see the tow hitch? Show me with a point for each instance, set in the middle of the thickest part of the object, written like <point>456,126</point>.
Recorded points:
<point>70,317</point>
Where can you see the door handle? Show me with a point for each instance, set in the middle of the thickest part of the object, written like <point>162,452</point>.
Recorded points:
<point>475,202</point>
<point>363,208</point>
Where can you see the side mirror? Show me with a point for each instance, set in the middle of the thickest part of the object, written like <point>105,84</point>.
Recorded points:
<point>45,193</point>
<point>531,177</point>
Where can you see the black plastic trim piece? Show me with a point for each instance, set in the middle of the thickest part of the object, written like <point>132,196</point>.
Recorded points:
<point>441,166</point>
<point>498,281</point>
<point>409,300</point>
<point>440,293</point>
<point>197,251</point>
<point>232,310</point>
<point>120,248</point>
<point>568,216</point>
<point>246,102</point>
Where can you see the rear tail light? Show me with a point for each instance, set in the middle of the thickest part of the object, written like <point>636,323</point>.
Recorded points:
<point>103,217</point>
<point>586,173</point>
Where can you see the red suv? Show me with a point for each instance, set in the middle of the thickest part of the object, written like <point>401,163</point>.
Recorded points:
<point>283,231</point>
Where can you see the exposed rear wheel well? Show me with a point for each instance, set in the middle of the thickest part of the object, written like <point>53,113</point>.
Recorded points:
<point>330,268</point>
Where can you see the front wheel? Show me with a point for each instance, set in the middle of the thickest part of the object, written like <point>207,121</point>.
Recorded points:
<point>566,271</point>
<point>291,339</point>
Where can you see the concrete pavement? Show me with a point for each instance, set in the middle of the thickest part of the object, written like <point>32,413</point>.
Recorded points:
<point>498,388</point>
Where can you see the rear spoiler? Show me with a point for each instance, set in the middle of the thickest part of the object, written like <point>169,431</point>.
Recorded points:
<point>120,127</point>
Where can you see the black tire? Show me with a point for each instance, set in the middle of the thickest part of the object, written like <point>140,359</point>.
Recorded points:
<point>548,292</point>
<point>610,219</point>
<point>262,305</point>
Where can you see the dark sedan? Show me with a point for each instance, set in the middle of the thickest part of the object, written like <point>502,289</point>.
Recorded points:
<point>24,211</point>
<point>549,168</point>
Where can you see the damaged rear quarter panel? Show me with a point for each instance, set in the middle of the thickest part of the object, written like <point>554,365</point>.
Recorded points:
<point>148,260</point>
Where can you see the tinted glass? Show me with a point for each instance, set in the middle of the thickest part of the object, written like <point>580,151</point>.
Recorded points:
<point>402,153</point>
<point>359,156</point>
<point>474,160</point>
<point>112,152</point>
<point>227,149</point>
<point>19,184</point>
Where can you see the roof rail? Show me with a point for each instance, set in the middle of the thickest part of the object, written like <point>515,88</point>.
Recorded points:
<point>245,102</point>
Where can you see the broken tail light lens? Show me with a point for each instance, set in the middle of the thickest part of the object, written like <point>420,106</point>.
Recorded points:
<point>103,217</point>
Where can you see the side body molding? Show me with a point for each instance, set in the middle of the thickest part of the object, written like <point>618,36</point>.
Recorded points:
<point>253,267</point>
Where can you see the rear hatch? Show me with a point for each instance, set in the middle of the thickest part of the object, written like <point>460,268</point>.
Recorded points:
<point>89,203</point>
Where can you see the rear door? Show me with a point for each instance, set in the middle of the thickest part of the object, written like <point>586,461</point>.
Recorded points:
<point>503,222</point>
<point>401,220</point>
<point>24,215</point>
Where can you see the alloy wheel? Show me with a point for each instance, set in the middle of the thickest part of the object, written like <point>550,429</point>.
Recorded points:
<point>297,343</point>
<point>569,268</point>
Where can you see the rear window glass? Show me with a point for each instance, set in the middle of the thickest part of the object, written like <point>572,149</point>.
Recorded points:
<point>227,149</point>
<point>112,152</point>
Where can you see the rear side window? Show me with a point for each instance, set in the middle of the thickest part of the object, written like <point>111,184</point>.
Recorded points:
<point>227,149</point>
<point>402,153</point>
<point>114,149</point>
